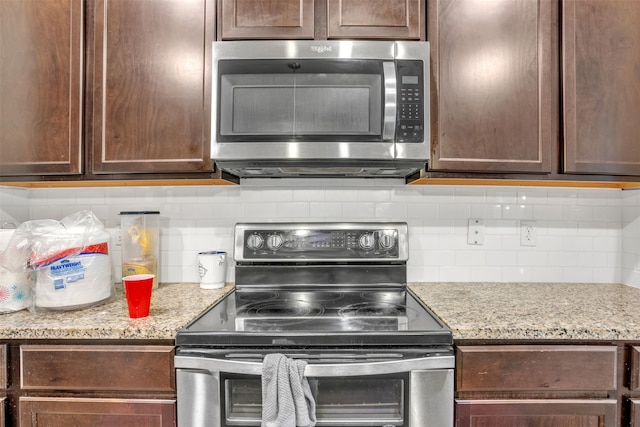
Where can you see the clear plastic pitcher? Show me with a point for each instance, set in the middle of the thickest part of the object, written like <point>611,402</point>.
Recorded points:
<point>140,236</point>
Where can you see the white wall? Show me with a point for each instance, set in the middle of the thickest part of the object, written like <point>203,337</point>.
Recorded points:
<point>579,231</point>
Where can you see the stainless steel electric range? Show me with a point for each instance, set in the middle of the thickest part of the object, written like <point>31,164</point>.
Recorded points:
<point>334,295</point>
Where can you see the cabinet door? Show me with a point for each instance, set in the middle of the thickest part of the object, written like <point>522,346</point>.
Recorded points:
<point>634,411</point>
<point>536,413</point>
<point>40,87</point>
<point>3,367</point>
<point>601,41</point>
<point>494,92</point>
<point>151,85</point>
<point>266,19</point>
<point>65,412</point>
<point>379,19</point>
<point>634,381</point>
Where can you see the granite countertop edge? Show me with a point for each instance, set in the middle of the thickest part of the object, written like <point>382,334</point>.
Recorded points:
<point>472,310</point>
<point>534,311</point>
<point>173,306</point>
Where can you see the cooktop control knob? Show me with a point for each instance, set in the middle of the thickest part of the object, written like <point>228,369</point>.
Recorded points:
<point>387,241</point>
<point>254,242</point>
<point>274,242</point>
<point>367,241</point>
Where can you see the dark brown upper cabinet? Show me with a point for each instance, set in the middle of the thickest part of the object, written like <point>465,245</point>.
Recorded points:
<point>266,19</point>
<point>149,86</point>
<point>321,19</point>
<point>379,19</point>
<point>494,89</point>
<point>41,87</point>
<point>601,84</point>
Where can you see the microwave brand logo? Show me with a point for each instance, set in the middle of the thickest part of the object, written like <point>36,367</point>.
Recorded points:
<point>322,48</point>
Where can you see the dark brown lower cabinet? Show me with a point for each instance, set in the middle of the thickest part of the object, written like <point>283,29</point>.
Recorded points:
<point>3,399</point>
<point>635,412</point>
<point>536,413</point>
<point>538,385</point>
<point>72,411</point>
<point>93,384</point>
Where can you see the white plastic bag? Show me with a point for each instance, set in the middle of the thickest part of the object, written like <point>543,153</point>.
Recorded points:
<point>16,277</point>
<point>71,262</point>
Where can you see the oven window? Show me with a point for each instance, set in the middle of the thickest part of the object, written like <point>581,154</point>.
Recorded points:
<point>339,402</point>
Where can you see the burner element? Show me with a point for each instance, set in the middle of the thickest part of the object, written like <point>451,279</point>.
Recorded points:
<point>285,309</point>
<point>374,309</point>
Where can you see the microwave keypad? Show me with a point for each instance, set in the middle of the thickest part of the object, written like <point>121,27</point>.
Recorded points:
<point>410,121</point>
<point>410,104</point>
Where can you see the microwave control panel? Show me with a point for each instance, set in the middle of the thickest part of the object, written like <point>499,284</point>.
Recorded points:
<point>410,120</point>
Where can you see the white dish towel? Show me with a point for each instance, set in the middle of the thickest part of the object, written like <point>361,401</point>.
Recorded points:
<point>287,400</point>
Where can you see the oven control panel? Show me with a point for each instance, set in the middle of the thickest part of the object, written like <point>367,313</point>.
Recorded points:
<point>321,242</point>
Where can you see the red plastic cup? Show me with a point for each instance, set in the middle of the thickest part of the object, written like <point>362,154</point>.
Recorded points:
<point>138,291</point>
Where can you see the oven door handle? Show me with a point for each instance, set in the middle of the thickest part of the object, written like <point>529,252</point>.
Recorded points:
<point>320,370</point>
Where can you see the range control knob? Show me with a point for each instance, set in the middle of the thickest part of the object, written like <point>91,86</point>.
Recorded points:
<point>387,241</point>
<point>255,242</point>
<point>367,241</point>
<point>274,242</point>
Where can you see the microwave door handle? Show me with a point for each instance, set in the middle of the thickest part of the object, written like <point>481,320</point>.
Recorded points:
<point>320,370</point>
<point>390,100</point>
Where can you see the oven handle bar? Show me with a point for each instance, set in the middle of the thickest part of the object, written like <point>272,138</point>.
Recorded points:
<point>320,370</point>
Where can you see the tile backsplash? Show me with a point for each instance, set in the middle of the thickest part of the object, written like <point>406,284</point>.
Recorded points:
<point>581,235</point>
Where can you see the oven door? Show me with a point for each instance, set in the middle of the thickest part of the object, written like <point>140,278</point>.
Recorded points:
<point>394,391</point>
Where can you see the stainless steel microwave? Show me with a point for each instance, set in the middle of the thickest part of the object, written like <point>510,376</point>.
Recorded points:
<point>320,108</point>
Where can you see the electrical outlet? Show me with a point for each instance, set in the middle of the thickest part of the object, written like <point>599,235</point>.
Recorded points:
<point>475,235</point>
<point>528,233</point>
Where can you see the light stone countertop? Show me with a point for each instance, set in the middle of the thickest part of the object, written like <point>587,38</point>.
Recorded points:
<point>173,306</point>
<point>475,311</point>
<point>526,311</point>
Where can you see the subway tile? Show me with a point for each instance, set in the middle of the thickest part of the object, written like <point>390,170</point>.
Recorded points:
<point>583,234</point>
<point>517,274</point>
<point>454,210</point>
<point>391,211</point>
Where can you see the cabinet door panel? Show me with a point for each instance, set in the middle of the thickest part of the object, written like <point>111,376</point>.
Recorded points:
<point>65,412</point>
<point>634,411</point>
<point>379,19</point>
<point>40,87</point>
<point>601,41</point>
<point>3,367</point>
<point>118,368</point>
<point>151,86</point>
<point>536,368</point>
<point>536,413</point>
<point>266,19</point>
<point>635,368</point>
<point>494,98</point>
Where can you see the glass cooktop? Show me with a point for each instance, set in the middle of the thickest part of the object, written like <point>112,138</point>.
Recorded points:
<point>313,317</point>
